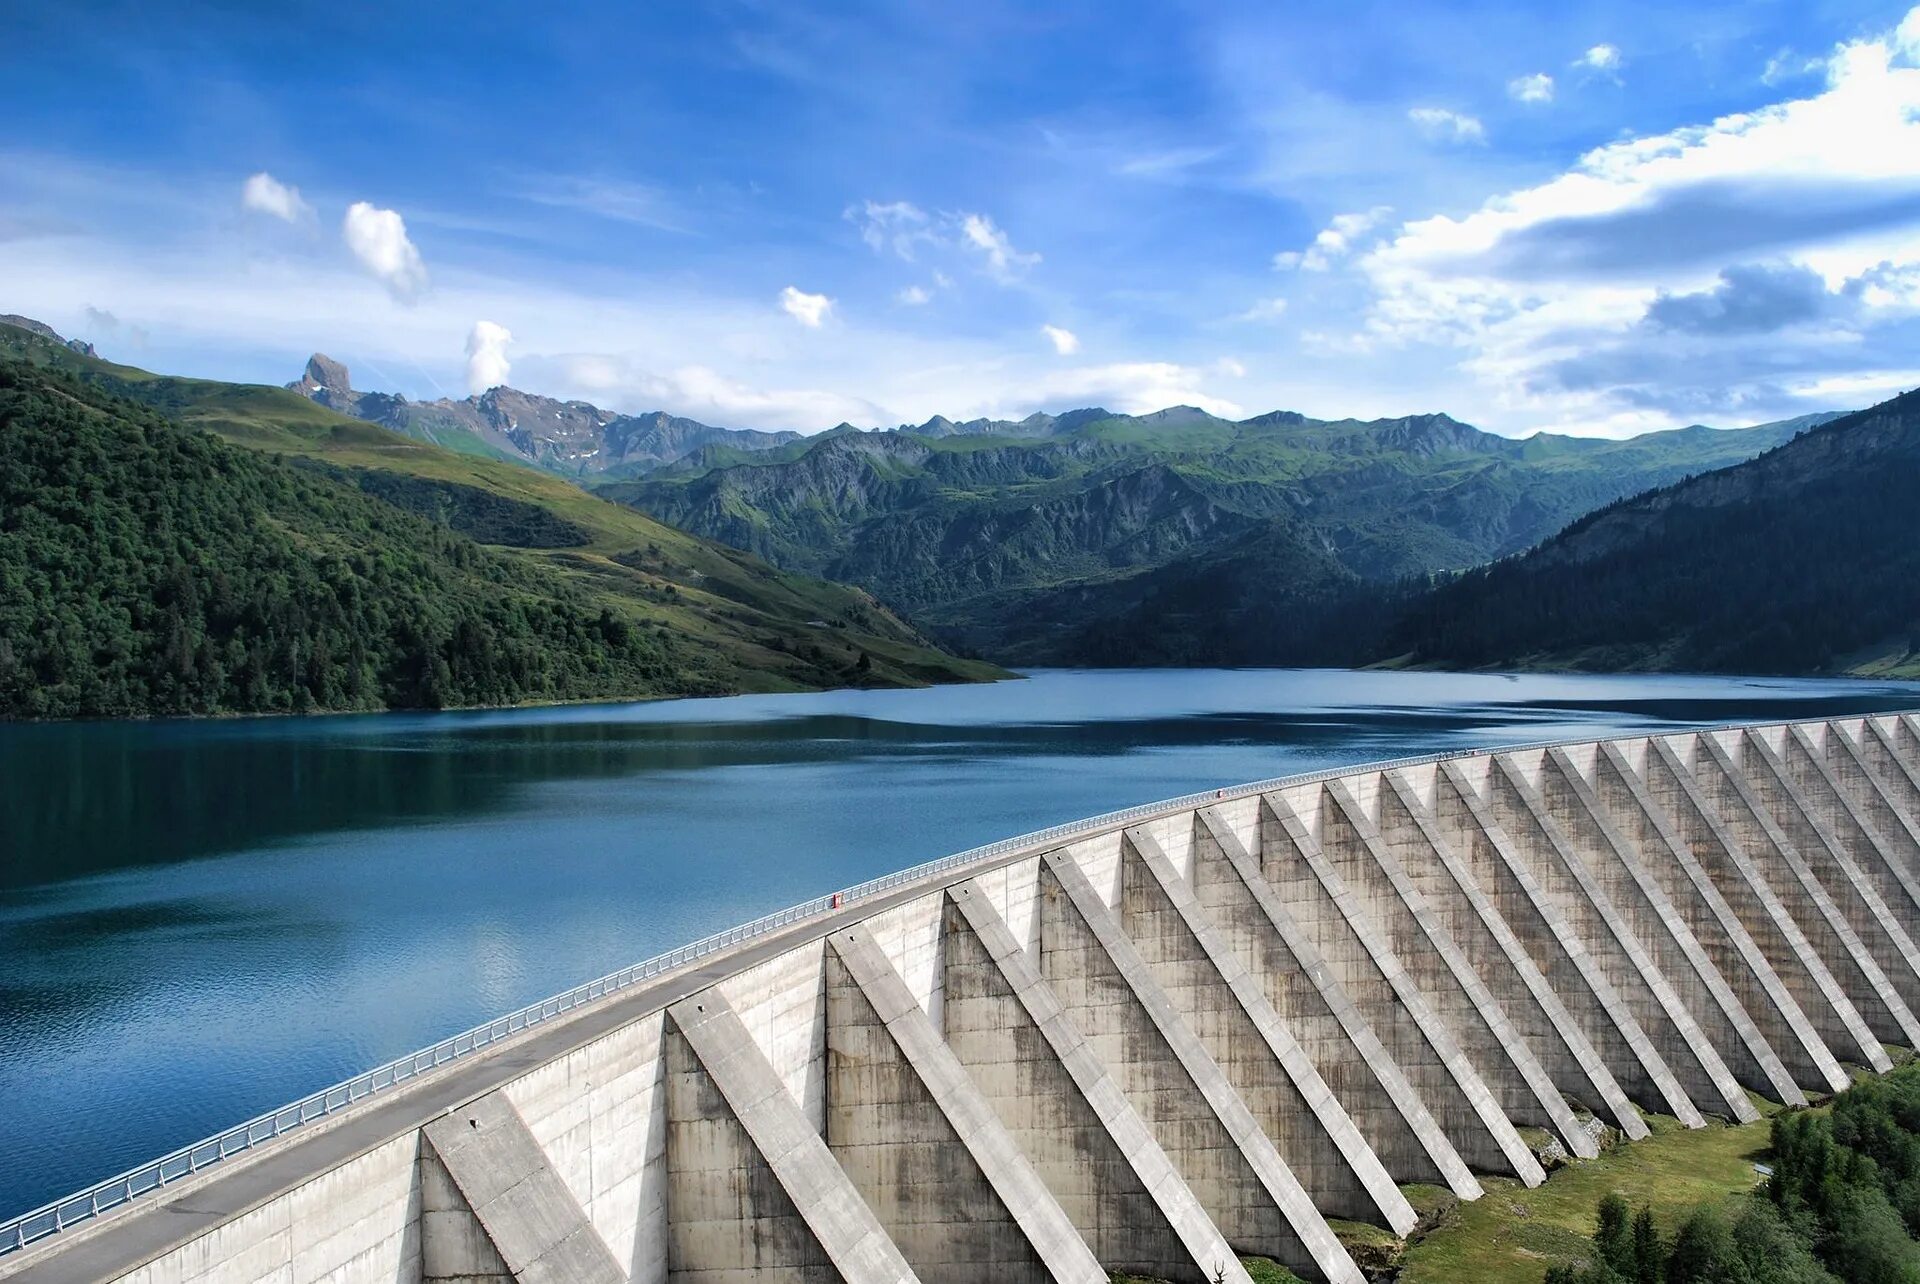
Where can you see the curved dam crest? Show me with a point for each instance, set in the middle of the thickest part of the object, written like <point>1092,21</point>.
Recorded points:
<point>1191,1032</point>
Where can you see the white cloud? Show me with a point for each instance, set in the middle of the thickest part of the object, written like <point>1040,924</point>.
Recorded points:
<point>487,364</point>
<point>1604,58</point>
<point>1906,38</point>
<point>808,309</point>
<point>1788,65</point>
<point>897,227</point>
<point>914,296</point>
<point>1339,238</point>
<point>1537,88</point>
<point>1265,310</point>
<point>1441,125</point>
<point>1229,367</point>
<point>1550,291</point>
<point>378,239</point>
<point>1003,262</point>
<point>1065,342</point>
<point>1132,387</point>
<point>265,194</point>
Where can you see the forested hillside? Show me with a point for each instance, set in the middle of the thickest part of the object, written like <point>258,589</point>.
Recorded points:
<point>151,569</point>
<point>1061,540</point>
<point>719,619</point>
<point>1805,559</point>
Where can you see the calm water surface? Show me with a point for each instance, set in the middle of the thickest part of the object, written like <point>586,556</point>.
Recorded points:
<point>201,921</point>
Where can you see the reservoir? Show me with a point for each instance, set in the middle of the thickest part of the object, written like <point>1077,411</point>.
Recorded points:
<point>202,920</point>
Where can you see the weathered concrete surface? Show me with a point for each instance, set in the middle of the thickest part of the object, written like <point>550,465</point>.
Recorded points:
<point>530,1223</point>
<point>1428,859</point>
<point>1065,1111</point>
<point>1179,1090</point>
<point>1763,994</point>
<point>1279,952</point>
<point>1295,863</point>
<point>754,1193</point>
<point>1607,930</point>
<point>1856,889</point>
<point>922,1145</point>
<point>1835,908</point>
<point>1775,928</point>
<point>1561,953</point>
<point>1669,929</point>
<point>1251,1042</point>
<point>1441,971</point>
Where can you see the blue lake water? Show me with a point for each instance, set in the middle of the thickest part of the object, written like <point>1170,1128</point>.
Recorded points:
<point>200,921</point>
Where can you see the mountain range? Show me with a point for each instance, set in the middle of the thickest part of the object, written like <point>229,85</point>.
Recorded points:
<point>1058,541</point>
<point>516,549</point>
<point>572,438</point>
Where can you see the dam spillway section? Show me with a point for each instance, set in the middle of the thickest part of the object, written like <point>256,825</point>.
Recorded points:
<point>1149,1042</point>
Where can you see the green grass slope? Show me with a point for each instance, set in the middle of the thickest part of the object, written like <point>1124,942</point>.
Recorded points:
<point>734,622</point>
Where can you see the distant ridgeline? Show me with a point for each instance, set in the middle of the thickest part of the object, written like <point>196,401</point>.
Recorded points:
<point>1171,538</point>
<point>148,566</point>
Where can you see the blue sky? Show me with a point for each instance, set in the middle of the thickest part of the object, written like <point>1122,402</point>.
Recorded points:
<point>1596,217</point>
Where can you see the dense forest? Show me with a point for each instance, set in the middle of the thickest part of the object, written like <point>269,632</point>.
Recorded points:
<point>1842,1204</point>
<point>150,568</point>
<point>1790,563</point>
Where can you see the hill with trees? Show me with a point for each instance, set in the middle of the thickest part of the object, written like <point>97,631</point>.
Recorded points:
<point>621,605</point>
<point>1803,560</point>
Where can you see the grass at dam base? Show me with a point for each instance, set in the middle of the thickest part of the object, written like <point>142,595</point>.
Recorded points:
<point>1511,1235</point>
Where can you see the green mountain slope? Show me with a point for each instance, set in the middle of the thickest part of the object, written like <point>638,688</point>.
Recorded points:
<point>976,533</point>
<point>1802,560</point>
<point>731,621</point>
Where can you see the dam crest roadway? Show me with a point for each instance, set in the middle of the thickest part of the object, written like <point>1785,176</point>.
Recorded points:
<point>1150,1042</point>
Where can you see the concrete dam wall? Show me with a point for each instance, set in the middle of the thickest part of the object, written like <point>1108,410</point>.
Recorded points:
<point>1149,1045</point>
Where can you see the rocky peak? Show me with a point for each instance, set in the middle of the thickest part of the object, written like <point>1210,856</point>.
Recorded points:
<point>46,331</point>
<point>324,372</point>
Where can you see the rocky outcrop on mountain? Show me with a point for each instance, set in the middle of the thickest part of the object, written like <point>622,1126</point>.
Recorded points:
<point>46,331</point>
<point>573,438</point>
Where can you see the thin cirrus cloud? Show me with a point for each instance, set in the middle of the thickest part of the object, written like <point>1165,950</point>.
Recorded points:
<point>809,310</point>
<point>1065,342</point>
<point>378,240</point>
<point>1439,124</point>
<point>264,194</point>
<point>910,233</point>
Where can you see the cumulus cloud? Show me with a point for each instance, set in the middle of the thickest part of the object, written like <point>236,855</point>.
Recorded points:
<point>265,194</point>
<point>1065,342</point>
<point>1537,88</point>
<point>1441,125</point>
<point>1601,58</point>
<point>1342,234</point>
<point>1134,387</point>
<point>1642,257</point>
<point>706,394</point>
<point>378,239</point>
<point>487,364</point>
<point>808,309</point>
<point>915,296</point>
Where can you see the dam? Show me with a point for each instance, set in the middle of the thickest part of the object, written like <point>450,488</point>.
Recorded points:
<point>1149,1042</point>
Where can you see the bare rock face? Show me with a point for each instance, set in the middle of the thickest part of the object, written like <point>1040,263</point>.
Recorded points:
<point>324,372</point>
<point>46,331</point>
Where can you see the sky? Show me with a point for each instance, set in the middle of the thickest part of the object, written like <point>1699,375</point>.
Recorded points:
<point>1591,216</point>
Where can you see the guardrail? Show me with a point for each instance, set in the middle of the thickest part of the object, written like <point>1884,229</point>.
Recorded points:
<point>50,1219</point>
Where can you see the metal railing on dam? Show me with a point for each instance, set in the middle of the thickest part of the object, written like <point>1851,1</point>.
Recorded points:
<point>1733,909</point>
